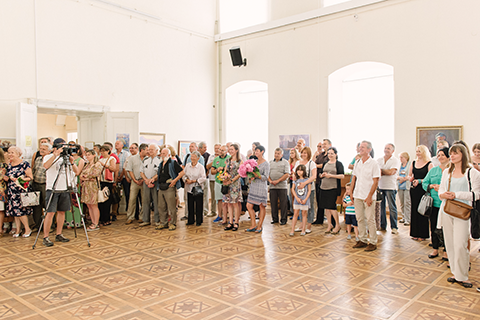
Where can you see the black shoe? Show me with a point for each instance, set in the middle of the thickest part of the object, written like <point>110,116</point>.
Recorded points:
<point>430,245</point>
<point>444,259</point>
<point>199,224</point>
<point>114,218</point>
<point>283,223</point>
<point>431,256</point>
<point>189,224</point>
<point>47,242</point>
<point>317,222</point>
<point>61,238</point>
<point>274,222</point>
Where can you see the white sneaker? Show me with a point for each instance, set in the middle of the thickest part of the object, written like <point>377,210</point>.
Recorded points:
<point>298,230</point>
<point>349,237</point>
<point>308,231</point>
<point>302,234</point>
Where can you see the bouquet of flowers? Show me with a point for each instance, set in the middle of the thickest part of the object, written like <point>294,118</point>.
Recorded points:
<point>222,176</point>
<point>248,168</point>
<point>20,182</point>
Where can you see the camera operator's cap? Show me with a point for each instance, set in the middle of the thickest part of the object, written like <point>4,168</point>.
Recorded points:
<point>58,141</point>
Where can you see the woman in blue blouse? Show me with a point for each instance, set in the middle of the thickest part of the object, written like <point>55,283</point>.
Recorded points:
<point>432,183</point>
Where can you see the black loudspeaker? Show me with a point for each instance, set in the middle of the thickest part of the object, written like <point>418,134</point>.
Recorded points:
<point>236,56</point>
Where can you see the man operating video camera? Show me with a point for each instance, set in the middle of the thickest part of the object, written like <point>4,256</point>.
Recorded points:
<point>58,184</point>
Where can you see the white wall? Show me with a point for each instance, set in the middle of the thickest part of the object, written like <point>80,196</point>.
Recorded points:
<point>90,53</point>
<point>433,46</point>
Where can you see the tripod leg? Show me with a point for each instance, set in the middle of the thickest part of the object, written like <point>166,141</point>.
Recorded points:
<point>82,218</point>
<point>43,220</point>
<point>72,210</point>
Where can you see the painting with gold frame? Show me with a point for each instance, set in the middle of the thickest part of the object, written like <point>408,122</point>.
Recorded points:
<point>429,136</point>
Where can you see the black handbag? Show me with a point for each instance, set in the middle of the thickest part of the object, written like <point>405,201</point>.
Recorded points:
<point>115,195</point>
<point>225,189</point>
<point>197,190</point>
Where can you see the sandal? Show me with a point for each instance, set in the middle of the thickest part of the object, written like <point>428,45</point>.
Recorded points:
<point>107,223</point>
<point>229,227</point>
<point>235,227</point>
<point>259,230</point>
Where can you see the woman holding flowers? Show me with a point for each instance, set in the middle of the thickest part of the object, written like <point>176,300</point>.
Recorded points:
<point>234,195</point>
<point>311,174</point>
<point>18,175</point>
<point>257,172</point>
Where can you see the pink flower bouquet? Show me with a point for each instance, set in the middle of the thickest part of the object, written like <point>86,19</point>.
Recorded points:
<point>248,168</point>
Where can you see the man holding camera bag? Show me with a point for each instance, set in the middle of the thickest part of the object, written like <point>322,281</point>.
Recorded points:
<point>56,180</point>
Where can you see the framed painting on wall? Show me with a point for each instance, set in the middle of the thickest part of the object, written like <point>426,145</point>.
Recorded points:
<point>287,142</point>
<point>428,136</point>
<point>89,145</point>
<point>183,148</point>
<point>156,138</point>
<point>7,142</point>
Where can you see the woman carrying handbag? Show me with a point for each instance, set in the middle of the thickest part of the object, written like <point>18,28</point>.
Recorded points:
<point>90,187</point>
<point>457,185</point>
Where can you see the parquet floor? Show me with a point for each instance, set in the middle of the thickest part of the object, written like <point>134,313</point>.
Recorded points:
<point>207,273</point>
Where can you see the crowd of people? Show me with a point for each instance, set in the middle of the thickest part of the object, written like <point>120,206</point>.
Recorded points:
<point>307,187</point>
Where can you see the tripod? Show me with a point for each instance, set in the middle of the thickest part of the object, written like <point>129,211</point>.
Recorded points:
<point>71,183</point>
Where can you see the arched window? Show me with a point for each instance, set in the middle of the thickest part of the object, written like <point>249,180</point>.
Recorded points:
<point>246,114</point>
<point>361,107</point>
<point>235,15</point>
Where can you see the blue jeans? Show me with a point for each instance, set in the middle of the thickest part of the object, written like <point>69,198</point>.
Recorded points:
<point>390,196</point>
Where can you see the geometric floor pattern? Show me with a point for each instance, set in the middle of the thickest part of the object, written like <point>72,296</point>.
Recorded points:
<point>208,273</point>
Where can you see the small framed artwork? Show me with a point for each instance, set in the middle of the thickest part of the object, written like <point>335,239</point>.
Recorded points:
<point>183,148</point>
<point>287,142</point>
<point>7,142</point>
<point>89,145</point>
<point>429,136</point>
<point>125,138</point>
<point>157,138</point>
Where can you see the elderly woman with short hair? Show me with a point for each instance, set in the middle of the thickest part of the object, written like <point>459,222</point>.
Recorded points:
<point>194,177</point>
<point>16,169</point>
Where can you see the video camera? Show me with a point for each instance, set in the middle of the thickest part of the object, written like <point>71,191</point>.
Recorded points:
<point>68,150</point>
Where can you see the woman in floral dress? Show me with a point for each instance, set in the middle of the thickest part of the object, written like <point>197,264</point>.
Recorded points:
<point>234,196</point>
<point>90,186</point>
<point>18,168</point>
<point>258,194</point>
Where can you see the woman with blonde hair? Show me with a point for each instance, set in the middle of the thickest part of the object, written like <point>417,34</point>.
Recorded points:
<point>476,156</point>
<point>419,227</point>
<point>404,188</point>
<point>294,157</point>
<point>16,169</point>
<point>458,183</point>
<point>3,188</point>
<point>90,182</point>
<point>311,174</point>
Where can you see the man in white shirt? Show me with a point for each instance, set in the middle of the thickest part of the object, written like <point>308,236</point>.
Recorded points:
<point>211,178</point>
<point>148,171</point>
<point>56,180</point>
<point>133,166</point>
<point>389,167</point>
<point>366,174</point>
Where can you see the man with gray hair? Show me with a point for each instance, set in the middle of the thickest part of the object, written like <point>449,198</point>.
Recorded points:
<point>133,167</point>
<point>192,147</point>
<point>148,171</point>
<point>279,173</point>
<point>389,167</point>
<point>211,178</point>
<point>39,183</point>
<point>202,148</point>
<point>169,174</point>
<point>366,174</point>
